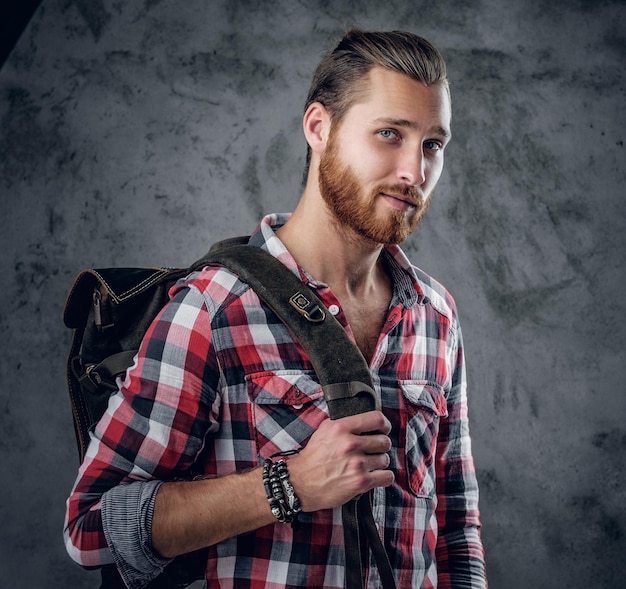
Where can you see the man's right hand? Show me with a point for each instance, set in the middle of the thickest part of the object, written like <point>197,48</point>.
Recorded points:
<point>339,462</point>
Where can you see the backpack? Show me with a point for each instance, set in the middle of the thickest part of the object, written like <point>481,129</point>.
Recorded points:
<point>109,311</point>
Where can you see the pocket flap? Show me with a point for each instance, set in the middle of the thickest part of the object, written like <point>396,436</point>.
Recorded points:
<point>283,387</point>
<point>426,395</point>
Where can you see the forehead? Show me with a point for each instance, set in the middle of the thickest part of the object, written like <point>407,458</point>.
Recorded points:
<point>394,96</point>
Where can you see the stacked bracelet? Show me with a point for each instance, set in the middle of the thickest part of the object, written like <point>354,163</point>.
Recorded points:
<point>284,503</point>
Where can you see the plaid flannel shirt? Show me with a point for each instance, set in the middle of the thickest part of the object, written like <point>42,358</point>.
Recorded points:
<point>220,384</point>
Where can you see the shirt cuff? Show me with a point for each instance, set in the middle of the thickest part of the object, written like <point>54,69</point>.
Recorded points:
<point>127,512</point>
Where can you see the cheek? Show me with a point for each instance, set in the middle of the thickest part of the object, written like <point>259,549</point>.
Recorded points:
<point>434,170</point>
<point>375,165</point>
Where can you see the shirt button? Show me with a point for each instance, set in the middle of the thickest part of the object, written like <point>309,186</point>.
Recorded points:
<point>298,406</point>
<point>334,309</point>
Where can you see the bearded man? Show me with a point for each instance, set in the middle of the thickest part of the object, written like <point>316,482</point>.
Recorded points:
<point>218,373</point>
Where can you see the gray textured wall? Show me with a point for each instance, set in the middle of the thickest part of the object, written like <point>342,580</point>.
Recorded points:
<point>138,132</point>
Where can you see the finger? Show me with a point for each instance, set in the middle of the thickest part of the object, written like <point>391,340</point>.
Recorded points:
<point>382,478</point>
<point>374,462</point>
<point>375,444</point>
<point>378,474</point>
<point>372,421</point>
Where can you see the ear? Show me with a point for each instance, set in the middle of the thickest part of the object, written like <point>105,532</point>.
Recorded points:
<point>316,125</point>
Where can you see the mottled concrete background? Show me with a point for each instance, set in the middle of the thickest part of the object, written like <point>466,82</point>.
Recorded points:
<point>138,132</point>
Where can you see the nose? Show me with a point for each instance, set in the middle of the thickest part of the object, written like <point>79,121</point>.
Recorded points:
<point>411,168</point>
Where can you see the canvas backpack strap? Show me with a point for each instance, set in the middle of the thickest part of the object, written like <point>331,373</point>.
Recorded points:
<point>361,535</point>
<point>334,357</point>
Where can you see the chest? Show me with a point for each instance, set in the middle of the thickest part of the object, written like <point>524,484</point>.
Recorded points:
<point>366,319</point>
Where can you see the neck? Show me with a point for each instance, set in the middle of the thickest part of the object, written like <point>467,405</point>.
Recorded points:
<point>329,252</point>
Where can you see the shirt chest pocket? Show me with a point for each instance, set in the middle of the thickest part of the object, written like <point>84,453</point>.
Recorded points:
<point>287,407</point>
<point>425,405</point>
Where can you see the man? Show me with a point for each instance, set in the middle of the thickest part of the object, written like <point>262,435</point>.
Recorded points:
<point>220,384</point>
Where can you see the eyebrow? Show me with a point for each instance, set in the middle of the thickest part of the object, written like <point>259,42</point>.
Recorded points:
<point>412,125</point>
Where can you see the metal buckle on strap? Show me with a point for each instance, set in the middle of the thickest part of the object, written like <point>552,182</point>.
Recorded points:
<point>309,309</point>
<point>89,379</point>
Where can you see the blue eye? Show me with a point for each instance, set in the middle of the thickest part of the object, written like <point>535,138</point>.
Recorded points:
<point>388,134</point>
<point>432,145</point>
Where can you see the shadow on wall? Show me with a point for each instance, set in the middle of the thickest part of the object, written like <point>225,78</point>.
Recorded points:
<point>14,17</point>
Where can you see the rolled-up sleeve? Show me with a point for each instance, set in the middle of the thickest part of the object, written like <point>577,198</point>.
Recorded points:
<point>152,431</point>
<point>127,520</point>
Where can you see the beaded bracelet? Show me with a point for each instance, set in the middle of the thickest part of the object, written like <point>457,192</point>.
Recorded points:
<point>292,501</point>
<point>281,496</point>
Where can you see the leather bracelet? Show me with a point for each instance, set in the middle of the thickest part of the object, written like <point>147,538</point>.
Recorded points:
<point>291,499</point>
<point>281,496</point>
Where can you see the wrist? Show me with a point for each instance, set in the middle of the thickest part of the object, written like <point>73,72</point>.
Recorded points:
<point>283,501</point>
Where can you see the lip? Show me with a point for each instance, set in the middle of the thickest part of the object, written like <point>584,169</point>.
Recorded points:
<point>398,201</point>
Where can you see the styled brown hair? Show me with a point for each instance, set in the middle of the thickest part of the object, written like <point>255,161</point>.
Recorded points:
<point>338,79</point>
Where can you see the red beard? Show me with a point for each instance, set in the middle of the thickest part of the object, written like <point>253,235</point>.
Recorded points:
<point>341,190</point>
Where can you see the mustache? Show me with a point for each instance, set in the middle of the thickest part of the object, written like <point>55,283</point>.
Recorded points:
<point>410,193</point>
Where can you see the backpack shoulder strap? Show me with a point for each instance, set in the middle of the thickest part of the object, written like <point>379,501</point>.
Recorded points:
<point>338,363</point>
<point>340,368</point>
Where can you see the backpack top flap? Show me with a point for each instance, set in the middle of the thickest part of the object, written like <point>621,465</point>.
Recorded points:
<point>120,284</point>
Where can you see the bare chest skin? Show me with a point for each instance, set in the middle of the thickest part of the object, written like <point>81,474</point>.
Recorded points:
<point>366,317</point>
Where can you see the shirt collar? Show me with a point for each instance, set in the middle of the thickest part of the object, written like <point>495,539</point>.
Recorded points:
<point>405,282</point>
<point>264,236</point>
